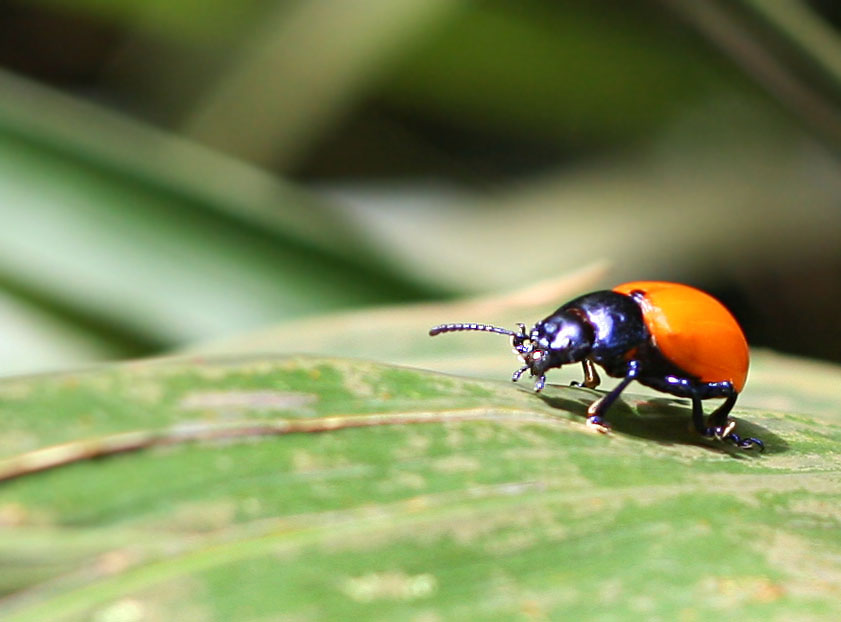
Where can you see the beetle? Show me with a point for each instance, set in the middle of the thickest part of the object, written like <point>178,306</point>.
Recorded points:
<point>667,336</point>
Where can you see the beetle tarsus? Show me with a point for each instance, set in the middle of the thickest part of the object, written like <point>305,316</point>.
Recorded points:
<point>725,433</point>
<point>597,424</point>
<point>745,443</point>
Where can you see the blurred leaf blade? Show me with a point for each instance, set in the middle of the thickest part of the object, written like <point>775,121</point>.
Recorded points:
<point>308,63</point>
<point>189,19</point>
<point>530,68</point>
<point>785,47</point>
<point>739,191</point>
<point>136,239</point>
<point>133,152</point>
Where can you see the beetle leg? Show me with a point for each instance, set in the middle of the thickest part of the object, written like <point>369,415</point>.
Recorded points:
<point>720,427</point>
<point>516,376</point>
<point>591,376</point>
<point>698,416</point>
<point>600,406</point>
<point>718,419</point>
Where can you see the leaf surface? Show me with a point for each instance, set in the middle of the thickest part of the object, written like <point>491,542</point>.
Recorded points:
<point>312,488</point>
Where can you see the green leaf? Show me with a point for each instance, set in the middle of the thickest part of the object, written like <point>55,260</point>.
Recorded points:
<point>568,71</point>
<point>125,239</point>
<point>186,20</point>
<point>309,488</point>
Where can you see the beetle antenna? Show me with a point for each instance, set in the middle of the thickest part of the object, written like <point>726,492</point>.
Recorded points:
<point>452,328</point>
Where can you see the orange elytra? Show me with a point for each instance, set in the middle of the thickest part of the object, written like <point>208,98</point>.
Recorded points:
<point>693,330</point>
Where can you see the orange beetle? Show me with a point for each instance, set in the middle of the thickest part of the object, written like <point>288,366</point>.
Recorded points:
<point>667,336</point>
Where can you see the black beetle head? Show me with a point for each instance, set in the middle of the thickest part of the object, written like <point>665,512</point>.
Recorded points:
<point>561,338</point>
<point>565,336</point>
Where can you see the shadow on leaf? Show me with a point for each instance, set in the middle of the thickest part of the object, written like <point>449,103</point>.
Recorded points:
<point>664,420</point>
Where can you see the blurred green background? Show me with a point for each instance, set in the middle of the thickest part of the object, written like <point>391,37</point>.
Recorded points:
<point>178,172</point>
